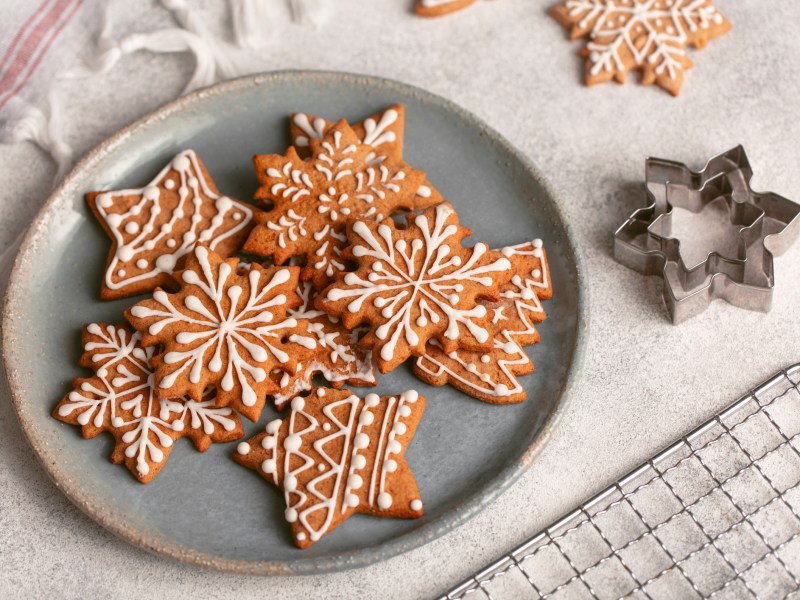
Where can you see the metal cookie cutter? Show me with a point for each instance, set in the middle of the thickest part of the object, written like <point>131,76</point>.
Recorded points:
<point>646,244</point>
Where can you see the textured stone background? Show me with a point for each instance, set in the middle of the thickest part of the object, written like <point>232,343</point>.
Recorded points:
<point>644,381</point>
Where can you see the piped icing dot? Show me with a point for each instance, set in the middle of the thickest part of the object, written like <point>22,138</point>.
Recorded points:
<point>171,243</point>
<point>384,500</point>
<point>301,536</point>
<point>243,448</point>
<point>141,263</point>
<point>416,504</point>
<point>131,227</point>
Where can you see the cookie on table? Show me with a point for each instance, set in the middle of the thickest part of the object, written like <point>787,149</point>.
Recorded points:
<point>341,361</point>
<point>646,35</point>
<point>494,376</point>
<point>335,455</point>
<point>417,284</point>
<point>383,132</point>
<point>226,330</point>
<point>439,8</point>
<point>120,398</point>
<point>153,228</point>
<point>314,198</point>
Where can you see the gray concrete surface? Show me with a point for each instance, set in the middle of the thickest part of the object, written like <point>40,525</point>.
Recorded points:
<point>644,381</point>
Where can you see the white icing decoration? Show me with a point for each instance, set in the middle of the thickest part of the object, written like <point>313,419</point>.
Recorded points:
<point>127,393</point>
<point>633,27</point>
<point>243,448</point>
<point>132,240</point>
<point>375,134</point>
<point>243,330</point>
<point>520,293</point>
<point>431,292</point>
<point>344,359</point>
<point>416,504</point>
<point>342,472</point>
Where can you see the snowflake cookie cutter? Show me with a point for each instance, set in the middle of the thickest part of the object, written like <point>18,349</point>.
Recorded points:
<point>768,224</point>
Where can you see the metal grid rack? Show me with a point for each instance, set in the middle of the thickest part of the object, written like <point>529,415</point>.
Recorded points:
<point>717,514</point>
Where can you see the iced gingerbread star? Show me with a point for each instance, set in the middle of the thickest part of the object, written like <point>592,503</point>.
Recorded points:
<point>313,200</point>
<point>341,361</point>
<point>648,35</point>
<point>493,376</point>
<point>383,132</point>
<point>336,455</point>
<point>416,284</point>
<point>225,330</point>
<point>153,228</point>
<point>121,399</point>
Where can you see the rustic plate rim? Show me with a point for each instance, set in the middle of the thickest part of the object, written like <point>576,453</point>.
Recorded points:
<point>165,546</point>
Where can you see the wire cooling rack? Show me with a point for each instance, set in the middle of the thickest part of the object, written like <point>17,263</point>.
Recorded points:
<point>717,514</point>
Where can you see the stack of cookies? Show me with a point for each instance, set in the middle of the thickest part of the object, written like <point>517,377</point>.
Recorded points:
<point>315,281</point>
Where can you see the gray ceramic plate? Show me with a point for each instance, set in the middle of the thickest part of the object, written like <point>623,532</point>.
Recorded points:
<point>203,508</point>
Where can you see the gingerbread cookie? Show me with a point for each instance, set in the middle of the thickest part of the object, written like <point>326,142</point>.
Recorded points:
<point>314,198</point>
<point>646,35</point>
<point>493,376</point>
<point>335,455</point>
<point>383,132</point>
<point>416,284</point>
<point>439,8</point>
<point>342,360</point>
<point>121,399</point>
<point>155,227</point>
<point>225,330</point>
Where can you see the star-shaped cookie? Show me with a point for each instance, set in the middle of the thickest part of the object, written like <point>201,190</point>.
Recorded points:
<point>383,132</point>
<point>335,455</point>
<point>314,198</point>
<point>153,228</point>
<point>121,399</point>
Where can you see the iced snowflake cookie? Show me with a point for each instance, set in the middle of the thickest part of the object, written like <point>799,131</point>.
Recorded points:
<point>493,376</point>
<point>383,132</point>
<point>439,8</point>
<point>153,228</point>
<point>647,35</point>
<point>335,455</point>
<point>416,284</point>
<point>121,399</point>
<point>341,361</point>
<point>225,330</point>
<point>313,199</point>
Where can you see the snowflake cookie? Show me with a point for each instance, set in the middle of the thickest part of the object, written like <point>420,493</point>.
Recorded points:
<point>383,132</point>
<point>342,359</point>
<point>416,284</point>
<point>335,455</point>
<point>493,376</point>
<point>313,200</point>
<point>648,35</point>
<point>439,8</point>
<point>153,228</point>
<point>226,330</point>
<point>121,399</point>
